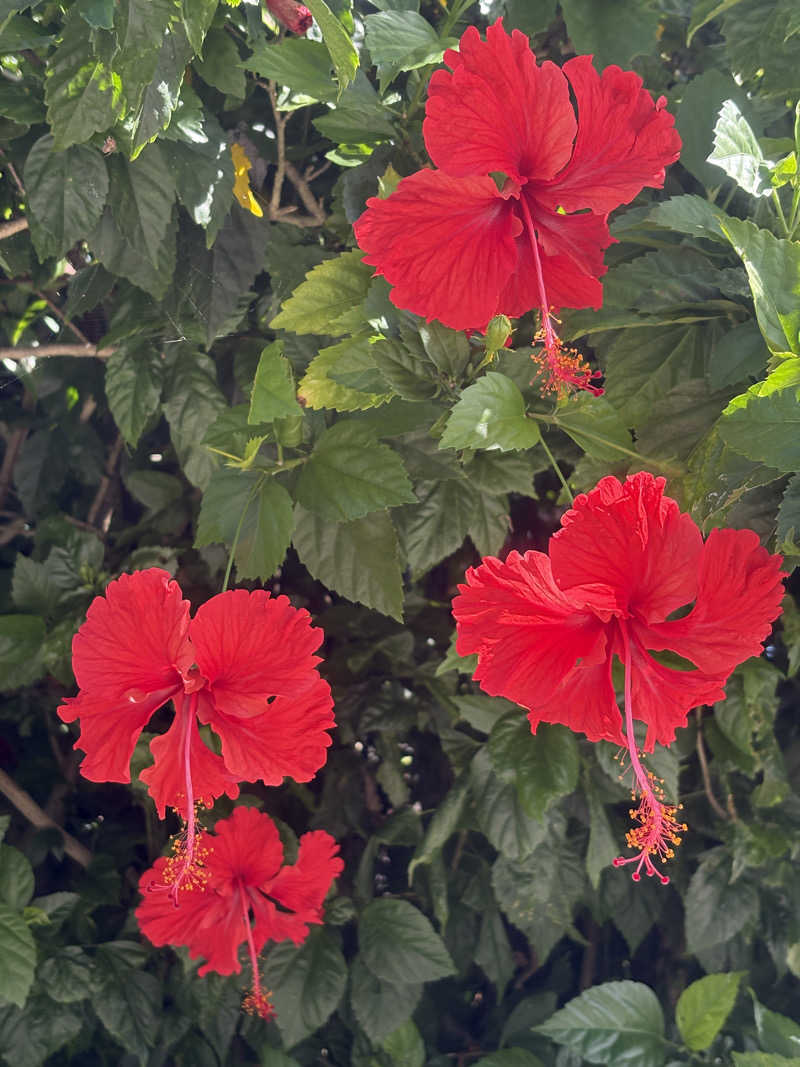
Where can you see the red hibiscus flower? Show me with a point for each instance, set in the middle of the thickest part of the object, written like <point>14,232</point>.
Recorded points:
<point>240,893</point>
<point>546,627</point>
<point>459,249</point>
<point>244,665</point>
<point>295,17</point>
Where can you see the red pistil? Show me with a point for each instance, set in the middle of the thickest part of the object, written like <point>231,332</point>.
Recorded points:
<point>185,868</point>
<point>257,1001</point>
<point>560,368</point>
<point>656,828</point>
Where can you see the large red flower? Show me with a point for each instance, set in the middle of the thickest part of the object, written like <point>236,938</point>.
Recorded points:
<point>546,627</point>
<point>459,249</point>
<point>244,665</point>
<point>240,893</point>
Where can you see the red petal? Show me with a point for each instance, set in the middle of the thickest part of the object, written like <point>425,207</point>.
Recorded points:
<point>528,634</point>
<point>166,779</point>
<point>624,142</point>
<point>303,887</point>
<point>134,637</point>
<point>251,647</point>
<point>635,540</point>
<point>289,739</point>
<point>247,848</point>
<point>159,920</point>
<point>584,702</point>
<point>445,244</point>
<point>498,111</point>
<point>110,728</point>
<point>273,925</point>
<point>738,598</point>
<point>663,697</point>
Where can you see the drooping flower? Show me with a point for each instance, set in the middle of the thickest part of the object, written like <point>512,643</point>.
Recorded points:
<point>242,894</point>
<point>241,180</point>
<point>244,665</point>
<point>462,247</point>
<point>295,17</point>
<point>547,627</point>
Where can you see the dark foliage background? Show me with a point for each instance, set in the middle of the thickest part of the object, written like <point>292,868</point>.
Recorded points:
<point>156,333</point>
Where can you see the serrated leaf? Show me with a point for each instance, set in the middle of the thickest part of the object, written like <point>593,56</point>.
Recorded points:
<point>16,878</point>
<point>358,559</point>
<point>197,17</point>
<point>319,390</point>
<point>121,257</point>
<point>596,427</point>
<point>30,1036</point>
<point>307,984</point>
<point>192,401</point>
<point>437,525</point>
<point>68,975</point>
<point>442,826</point>
<point>603,845</point>
<point>143,192</point>
<point>161,95</point>
<point>490,414</point>
<point>139,29</point>
<point>500,814</point>
<point>716,908</point>
<point>129,1004</point>
<point>544,766</point>
<point>274,395</point>
<point>490,525</point>
<point>594,27</point>
<point>82,95</point>
<point>203,172</point>
<point>397,942</point>
<point>704,11</point>
<point>337,41</point>
<point>510,1057</point>
<point>220,64</point>
<point>405,1047</point>
<point>704,1006</point>
<point>134,376</point>
<point>493,953</point>
<point>21,639</point>
<point>776,1032</point>
<point>328,301</point>
<point>738,153</point>
<point>298,63</point>
<point>232,264</point>
<point>18,952</point>
<point>66,194</point>
<point>758,423</point>
<point>380,1006</point>
<point>350,474</point>
<point>619,1023</point>
<point>256,508</point>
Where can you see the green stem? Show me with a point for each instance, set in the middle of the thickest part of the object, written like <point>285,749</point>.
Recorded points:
<point>651,461</point>
<point>452,18</point>
<point>776,200</point>
<point>557,469</point>
<point>793,217</point>
<point>245,509</point>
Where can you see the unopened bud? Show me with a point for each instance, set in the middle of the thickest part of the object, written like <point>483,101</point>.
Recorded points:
<point>295,17</point>
<point>498,333</point>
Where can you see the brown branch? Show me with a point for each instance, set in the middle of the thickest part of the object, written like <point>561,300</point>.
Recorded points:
<point>13,445</point>
<point>12,171</point>
<point>280,142</point>
<point>701,755</point>
<point>105,481</point>
<point>43,351</point>
<point>8,229</point>
<point>39,818</point>
<point>57,311</point>
<point>310,202</point>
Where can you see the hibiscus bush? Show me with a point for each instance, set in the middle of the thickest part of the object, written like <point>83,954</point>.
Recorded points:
<point>399,502</point>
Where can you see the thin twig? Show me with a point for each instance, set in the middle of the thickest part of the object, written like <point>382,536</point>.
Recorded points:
<point>8,229</point>
<point>27,806</point>
<point>13,445</point>
<point>701,755</point>
<point>280,143</point>
<point>300,182</point>
<point>105,481</point>
<point>12,171</point>
<point>57,311</point>
<point>44,351</point>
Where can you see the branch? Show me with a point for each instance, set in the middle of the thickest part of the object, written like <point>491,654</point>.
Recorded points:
<point>300,182</point>
<point>43,351</point>
<point>8,229</point>
<point>701,755</point>
<point>105,481</point>
<point>25,804</point>
<point>57,311</point>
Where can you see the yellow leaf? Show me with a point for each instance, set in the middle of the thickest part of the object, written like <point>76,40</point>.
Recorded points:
<point>241,182</point>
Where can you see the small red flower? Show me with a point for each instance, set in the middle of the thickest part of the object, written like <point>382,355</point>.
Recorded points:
<point>459,249</point>
<point>242,893</point>
<point>295,17</point>
<point>546,627</point>
<point>244,665</point>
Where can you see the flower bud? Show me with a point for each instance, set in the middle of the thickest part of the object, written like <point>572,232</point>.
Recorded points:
<point>498,333</point>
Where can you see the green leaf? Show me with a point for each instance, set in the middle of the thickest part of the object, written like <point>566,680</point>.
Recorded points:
<point>446,820</point>
<point>29,1036</point>
<point>544,766</point>
<point>358,559</point>
<point>738,153</point>
<point>328,301</point>
<point>762,1059</point>
<point>120,256</point>
<point>139,28</point>
<point>298,63</point>
<point>499,811</point>
<point>603,844</point>
<point>773,268</point>
<point>490,525</point>
<point>448,350</point>
<point>21,638</point>
<point>82,95</point>
<point>129,1004</point>
<point>398,943</point>
<point>716,908</point>
<point>510,1057</point>
<point>220,64</point>
<point>776,1033</point>
<point>704,1006</point>
<point>68,975</point>
<point>401,40</point>
<point>197,17</point>
<point>143,192</point>
<point>704,11</point>
<point>738,354</point>
<point>501,473</point>
<point>490,414</point>
<point>595,27</point>
<point>410,373</point>
<point>162,94</point>
<point>192,401</point>
<point>134,375</point>
<point>203,172</point>
<point>66,194</point>
<point>759,423</point>
<point>337,41</point>
<point>619,1023</point>
<point>274,395</point>
<point>595,426</point>
<point>380,1006</point>
<point>405,1046</point>
<point>16,878</point>
<point>228,270</point>
<point>307,984</point>
<point>701,100</point>
<point>436,526</point>
<point>359,117</point>
<point>19,957</point>
<point>493,953</point>
<point>320,390</point>
<point>350,474</point>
